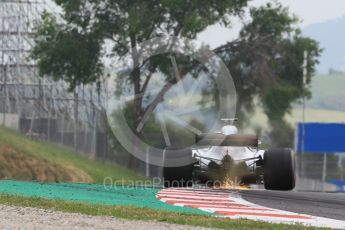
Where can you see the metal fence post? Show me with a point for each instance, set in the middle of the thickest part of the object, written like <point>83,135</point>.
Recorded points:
<point>76,121</point>
<point>147,162</point>
<point>324,168</point>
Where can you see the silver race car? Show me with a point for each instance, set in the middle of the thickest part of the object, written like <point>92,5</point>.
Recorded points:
<point>227,157</point>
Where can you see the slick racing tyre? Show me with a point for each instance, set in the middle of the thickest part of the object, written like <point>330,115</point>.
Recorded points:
<point>181,176</point>
<point>279,169</point>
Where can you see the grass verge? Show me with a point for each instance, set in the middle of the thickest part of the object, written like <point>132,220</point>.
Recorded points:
<point>133,213</point>
<point>50,153</point>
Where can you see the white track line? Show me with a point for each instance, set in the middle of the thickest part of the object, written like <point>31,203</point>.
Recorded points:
<point>230,204</point>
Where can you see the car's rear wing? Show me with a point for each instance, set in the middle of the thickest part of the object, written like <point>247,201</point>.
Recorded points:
<point>219,139</point>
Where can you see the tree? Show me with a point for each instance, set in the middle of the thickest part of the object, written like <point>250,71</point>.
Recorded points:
<point>265,60</point>
<point>71,50</point>
<point>266,63</point>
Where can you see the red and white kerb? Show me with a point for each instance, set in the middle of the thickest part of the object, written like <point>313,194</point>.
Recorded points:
<point>225,203</point>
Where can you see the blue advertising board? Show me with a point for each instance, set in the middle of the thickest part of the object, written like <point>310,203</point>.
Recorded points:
<point>339,184</point>
<point>320,138</point>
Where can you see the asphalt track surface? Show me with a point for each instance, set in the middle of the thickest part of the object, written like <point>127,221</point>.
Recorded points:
<point>328,205</point>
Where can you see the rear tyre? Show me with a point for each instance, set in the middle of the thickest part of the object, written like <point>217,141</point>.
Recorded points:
<point>181,176</point>
<point>279,169</point>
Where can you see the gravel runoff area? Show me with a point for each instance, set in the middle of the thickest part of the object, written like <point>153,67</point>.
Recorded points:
<point>12,217</point>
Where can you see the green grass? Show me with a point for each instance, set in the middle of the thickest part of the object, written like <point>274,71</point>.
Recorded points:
<point>327,92</point>
<point>312,115</point>
<point>133,213</point>
<point>98,194</point>
<point>317,115</point>
<point>259,119</point>
<point>323,85</point>
<point>96,169</point>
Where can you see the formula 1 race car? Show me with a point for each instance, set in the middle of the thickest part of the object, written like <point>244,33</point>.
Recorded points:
<point>228,156</point>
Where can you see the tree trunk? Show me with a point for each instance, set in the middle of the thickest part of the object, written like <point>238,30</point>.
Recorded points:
<point>137,103</point>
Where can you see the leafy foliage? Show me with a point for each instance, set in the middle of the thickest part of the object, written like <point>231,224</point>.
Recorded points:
<point>67,53</point>
<point>265,61</point>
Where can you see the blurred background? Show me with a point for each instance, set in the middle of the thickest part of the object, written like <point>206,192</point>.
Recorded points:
<point>62,63</point>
